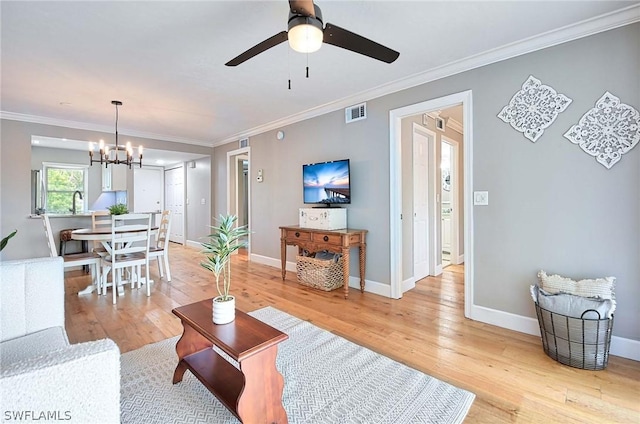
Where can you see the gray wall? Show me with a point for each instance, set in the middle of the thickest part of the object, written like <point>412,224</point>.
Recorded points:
<point>198,187</point>
<point>15,182</point>
<point>552,206</point>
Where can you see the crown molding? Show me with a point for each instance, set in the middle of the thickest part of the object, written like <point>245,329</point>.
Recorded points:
<point>454,125</point>
<point>612,20</point>
<point>94,127</point>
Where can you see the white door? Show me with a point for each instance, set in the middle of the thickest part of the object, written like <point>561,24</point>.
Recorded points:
<point>449,214</point>
<point>174,201</point>
<point>420,206</point>
<point>148,189</point>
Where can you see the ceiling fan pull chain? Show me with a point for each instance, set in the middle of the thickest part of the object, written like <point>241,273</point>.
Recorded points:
<point>289,66</point>
<point>307,65</point>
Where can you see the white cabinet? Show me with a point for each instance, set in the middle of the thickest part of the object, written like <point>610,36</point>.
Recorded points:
<point>114,178</point>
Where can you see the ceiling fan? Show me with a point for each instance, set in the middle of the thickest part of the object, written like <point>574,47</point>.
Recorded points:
<point>306,34</point>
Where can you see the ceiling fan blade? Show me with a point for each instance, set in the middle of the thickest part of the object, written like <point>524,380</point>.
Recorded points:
<point>258,48</point>
<point>302,7</point>
<point>341,37</point>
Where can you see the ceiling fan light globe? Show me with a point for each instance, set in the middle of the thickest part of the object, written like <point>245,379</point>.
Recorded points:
<point>305,38</point>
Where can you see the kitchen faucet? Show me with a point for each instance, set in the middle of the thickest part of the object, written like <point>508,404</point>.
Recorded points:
<point>73,209</point>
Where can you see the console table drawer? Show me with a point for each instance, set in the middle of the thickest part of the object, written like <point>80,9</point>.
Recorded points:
<point>335,239</point>
<point>293,235</point>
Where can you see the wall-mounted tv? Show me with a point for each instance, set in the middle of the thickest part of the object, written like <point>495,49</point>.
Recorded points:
<point>326,183</point>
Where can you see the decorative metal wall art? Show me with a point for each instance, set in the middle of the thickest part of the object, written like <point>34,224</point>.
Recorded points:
<point>607,131</point>
<point>533,108</point>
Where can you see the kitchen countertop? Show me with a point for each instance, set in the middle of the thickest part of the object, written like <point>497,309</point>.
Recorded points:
<point>62,215</point>
<point>78,215</point>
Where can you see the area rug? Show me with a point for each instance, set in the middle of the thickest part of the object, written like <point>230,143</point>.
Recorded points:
<point>328,379</point>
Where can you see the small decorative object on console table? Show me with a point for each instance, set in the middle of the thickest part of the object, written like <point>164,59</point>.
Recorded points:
<point>225,239</point>
<point>336,241</point>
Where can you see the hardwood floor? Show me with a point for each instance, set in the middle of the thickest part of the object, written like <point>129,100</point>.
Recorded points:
<point>514,381</point>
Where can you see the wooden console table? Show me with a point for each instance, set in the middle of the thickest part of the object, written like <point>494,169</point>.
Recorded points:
<point>336,241</point>
<point>254,392</point>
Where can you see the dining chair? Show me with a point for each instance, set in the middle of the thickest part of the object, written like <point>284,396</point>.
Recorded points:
<point>74,259</point>
<point>100,219</point>
<point>160,252</point>
<point>130,240</point>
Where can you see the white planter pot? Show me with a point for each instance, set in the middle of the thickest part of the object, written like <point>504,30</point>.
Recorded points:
<point>224,311</point>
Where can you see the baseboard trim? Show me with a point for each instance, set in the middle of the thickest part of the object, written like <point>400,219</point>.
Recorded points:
<point>265,260</point>
<point>620,346</point>
<point>354,282</point>
<point>191,243</point>
<point>408,284</point>
<point>370,286</point>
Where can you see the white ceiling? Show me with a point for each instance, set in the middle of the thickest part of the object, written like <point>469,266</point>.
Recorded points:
<point>65,61</point>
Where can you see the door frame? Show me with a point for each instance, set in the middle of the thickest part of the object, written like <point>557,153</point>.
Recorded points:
<point>238,168</point>
<point>430,186</point>
<point>232,160</point>
<point>182,168</point>
<point>455,186</point>
<point>162,194</point>
<point>395,188</point>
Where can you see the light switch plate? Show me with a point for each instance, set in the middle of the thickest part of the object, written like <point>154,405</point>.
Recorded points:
<point>481,198</point>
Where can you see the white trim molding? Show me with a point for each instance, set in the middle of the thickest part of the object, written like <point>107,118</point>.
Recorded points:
<point>612,20</point>
<point>625,348</point>
<point>395,193</point>
<point>370,286</point>
<point>11,116</point>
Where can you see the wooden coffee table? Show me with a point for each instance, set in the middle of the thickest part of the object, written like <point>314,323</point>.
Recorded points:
<point>252,393</point>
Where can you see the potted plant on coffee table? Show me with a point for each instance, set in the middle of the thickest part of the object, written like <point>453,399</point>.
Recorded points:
<point>225,239</point>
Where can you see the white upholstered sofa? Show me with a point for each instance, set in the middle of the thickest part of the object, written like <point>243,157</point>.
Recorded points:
<point>42,375</point>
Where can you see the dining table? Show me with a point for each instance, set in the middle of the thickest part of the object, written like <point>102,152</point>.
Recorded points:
<point>104,236</point>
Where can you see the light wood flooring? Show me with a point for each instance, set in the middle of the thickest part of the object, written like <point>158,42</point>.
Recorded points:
<point>514,381</point>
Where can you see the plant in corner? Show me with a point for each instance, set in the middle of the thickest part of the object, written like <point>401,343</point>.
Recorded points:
<point>225,239</point>
<point>118,209</point>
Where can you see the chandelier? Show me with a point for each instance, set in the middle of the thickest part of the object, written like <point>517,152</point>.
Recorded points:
<point>112,155</point>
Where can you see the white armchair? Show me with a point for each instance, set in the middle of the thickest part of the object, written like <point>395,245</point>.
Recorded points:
<point>42,375</point>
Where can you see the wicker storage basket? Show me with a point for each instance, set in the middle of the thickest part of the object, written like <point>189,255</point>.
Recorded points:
<point>577,342</point>
<point>323,274</point>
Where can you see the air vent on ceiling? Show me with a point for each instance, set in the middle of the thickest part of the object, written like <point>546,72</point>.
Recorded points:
<point>355,113</point>
<point>244,142</point>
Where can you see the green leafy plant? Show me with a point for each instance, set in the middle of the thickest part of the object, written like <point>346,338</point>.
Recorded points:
<point>225,239</point>
<point>5,240</point>
<point>118,209</point>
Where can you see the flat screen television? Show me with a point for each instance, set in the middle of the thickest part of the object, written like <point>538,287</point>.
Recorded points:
<point>326,183</point>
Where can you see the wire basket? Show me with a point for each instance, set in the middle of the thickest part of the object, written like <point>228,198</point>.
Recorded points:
<point>577,342</point>
<point>323,274</point>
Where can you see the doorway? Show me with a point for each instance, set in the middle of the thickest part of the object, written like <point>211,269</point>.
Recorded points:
<point>423,141</point>
<point>239,188</point>
<point>174,202</point>
<point>148,191</point>
<point>449,218</point>
<point>397,189</point>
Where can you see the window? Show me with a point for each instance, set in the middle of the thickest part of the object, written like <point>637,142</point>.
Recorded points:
<point>61,181</point>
